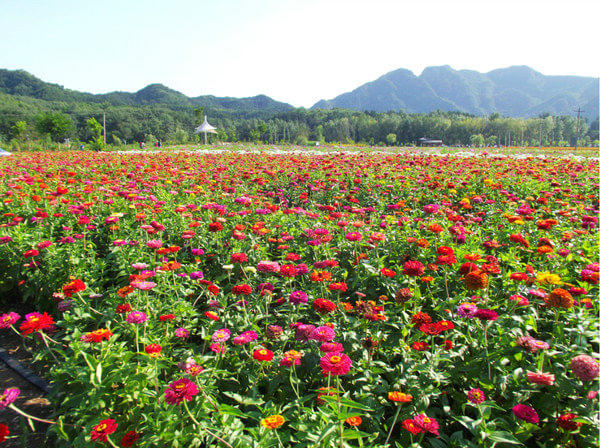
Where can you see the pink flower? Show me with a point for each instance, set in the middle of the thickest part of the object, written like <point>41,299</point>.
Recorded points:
<point>215,347</point>
<point>544,379</point>
<point>526,413</point>
<point>331,347</point>
<point>245,337</point>
<point>6,320</point>
<point>267,266</point>
<point>180,390</point>
<point>323,334</point>
<point>476,396</point>
<point>143,285</point>
<point>136,317</point>
<point>336,363</point>
<point>154,244</point>
<point>585,367</point>
<point>8,397</point>
<point>182,333</point>
<point>427,423</point>
<point>221,335</point>
<point>353,236</point>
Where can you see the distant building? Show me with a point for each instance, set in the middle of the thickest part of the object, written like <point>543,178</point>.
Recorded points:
<point>424,141</point>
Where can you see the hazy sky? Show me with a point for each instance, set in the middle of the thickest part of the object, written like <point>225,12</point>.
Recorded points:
<point>297,51</point>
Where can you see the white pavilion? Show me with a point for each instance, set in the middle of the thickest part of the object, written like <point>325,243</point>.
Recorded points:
<point>205,128</point>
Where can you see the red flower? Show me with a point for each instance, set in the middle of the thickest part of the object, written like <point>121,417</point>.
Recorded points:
<point>420,318</point>
<point>420,346</point>
<point>431,328</point>
<point>387,272</point>
<point>73,287</point>
<point>123,308</point>
<point>565,421</point>
<point>103,429</point>
<point>243,289</point>
<point>323,306</point>
<point>239,258</point>
<point>166,317</point>
<point>36,322</point>
<point>3,432</point>
<point>215,227</point>
<point>413,268</point>
<point>263,354</point>
<point>153,350</point>
<point>410,425</point>
<point>129,439</point>
<point>340,286</point>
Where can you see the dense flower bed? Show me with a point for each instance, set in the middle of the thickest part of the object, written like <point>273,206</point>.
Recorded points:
<point>316,300</point>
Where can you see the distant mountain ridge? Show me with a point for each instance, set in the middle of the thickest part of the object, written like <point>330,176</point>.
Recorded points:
<point>22,83</point>
<point>517,91</point>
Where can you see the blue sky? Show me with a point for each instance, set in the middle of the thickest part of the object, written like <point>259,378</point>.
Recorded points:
<point>293,51</point>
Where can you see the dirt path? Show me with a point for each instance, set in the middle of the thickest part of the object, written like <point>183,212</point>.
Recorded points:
<point>31,400</point>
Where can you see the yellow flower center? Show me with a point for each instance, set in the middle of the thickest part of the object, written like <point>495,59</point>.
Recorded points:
<point>335,359</point>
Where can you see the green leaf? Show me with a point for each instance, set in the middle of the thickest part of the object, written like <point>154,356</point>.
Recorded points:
<point>99,373</point>
<point>503,437</point>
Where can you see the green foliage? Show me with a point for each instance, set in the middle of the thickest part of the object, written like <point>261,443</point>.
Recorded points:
<point>477,140</point>
<point>55,124</point>
<point>390,139</point>
<point>95,128</point>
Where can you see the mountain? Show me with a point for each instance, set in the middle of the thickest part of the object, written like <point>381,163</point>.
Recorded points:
<point>22,83</point>
<point>517,91</point>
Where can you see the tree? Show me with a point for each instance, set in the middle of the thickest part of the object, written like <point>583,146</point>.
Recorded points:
<point>58,126</point>
<point>477,140</point>
<point>18,130</point>
<point>180,137</point>
<point>95,128</point>
<point>254,136</point>
<point>390,139</point>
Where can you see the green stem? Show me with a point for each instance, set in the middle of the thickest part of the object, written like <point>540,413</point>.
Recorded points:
<point>392,427</point>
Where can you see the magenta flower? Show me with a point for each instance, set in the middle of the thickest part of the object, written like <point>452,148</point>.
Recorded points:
<point>154,244</point>
<point>6,320</point>
<point>180,390</point>
<point>485,314</point>
<point>476,396</point>
<point>8,397</point>
<point>526,413</point>
<point>331,347</point>
<point>323,334</point>
<point>353,236</point>
<point>298,297</point>
<point>428,424</point>
<point>336,363</point>
<point>136,317</point>
<point>245,337</point>
<point>267,266</point>
<point>182,333</point>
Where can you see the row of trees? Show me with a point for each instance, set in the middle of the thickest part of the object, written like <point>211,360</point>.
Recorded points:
<point>25,120</point>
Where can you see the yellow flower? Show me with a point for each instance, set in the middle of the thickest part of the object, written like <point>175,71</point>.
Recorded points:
<point>273,422</point>
<point>546,278</point>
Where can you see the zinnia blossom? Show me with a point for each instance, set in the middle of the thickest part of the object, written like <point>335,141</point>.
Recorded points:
<point>322,334</point>
<point>476,396</point>
<point>585,367</point>
<point>136,317</point>
<point>273,421</point>
<point>180,390</point>
<point>8,397</point>
<point>541,378</point>
<point>526,413</point>
<point>263,354</point>
<point>8,319</point>
<point>102,430</point>
<point>428,424</point>
<point>36,322</point>
<point>336,363</point>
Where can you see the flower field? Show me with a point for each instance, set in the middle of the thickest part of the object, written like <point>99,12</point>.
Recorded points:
<point>306,300</point>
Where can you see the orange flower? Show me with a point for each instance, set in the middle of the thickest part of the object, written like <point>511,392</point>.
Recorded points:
<point>476,280</point>
<point>273,422</point>
<point>353,421</point>
<point>399,397</point>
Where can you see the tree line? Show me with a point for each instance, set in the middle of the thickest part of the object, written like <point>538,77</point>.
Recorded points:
<point>27,121</point>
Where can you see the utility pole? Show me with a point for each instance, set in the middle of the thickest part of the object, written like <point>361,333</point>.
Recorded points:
<point>577,128</point>
<point>540,135</point>
<point>104,127</point>
<point>522,136</point>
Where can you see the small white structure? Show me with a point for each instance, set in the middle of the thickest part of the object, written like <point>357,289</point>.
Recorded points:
<point>4,153</point>
<point>205,128</point>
